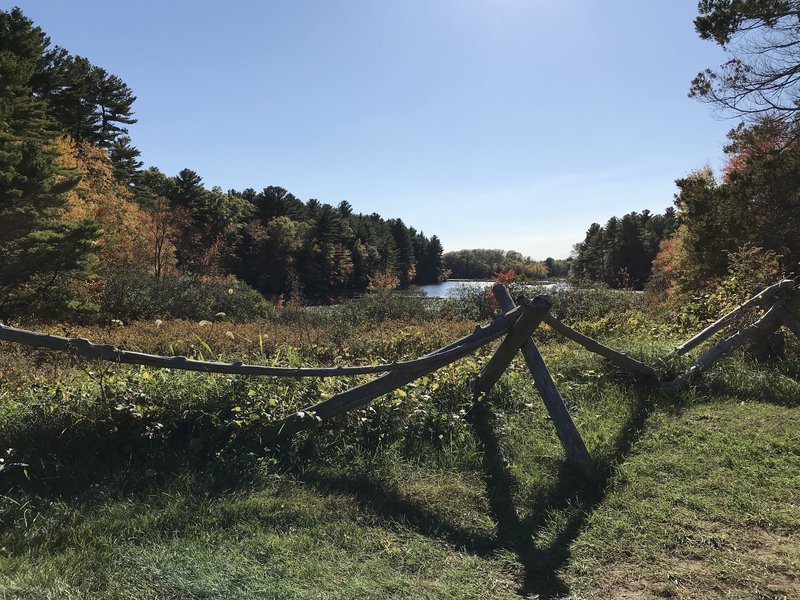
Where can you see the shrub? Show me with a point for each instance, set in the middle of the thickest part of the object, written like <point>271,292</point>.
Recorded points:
<point>750,270</point>
<point>586,304</point>
<point>134,294</point>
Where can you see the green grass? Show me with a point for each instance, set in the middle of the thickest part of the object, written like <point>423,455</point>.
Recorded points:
<point>144,484</point>
<point>280,538</point>
<point>706,505</point>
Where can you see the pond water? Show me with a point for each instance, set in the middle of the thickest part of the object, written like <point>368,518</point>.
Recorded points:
<point>454,287</point>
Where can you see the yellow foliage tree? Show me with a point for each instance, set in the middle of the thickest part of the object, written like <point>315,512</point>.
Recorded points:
<point>125,237</point>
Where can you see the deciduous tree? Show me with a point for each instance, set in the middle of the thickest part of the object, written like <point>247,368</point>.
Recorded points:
<point>762,76</point>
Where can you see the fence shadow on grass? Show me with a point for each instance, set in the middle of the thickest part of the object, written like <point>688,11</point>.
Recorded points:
<point>541,564</point>
<point>572,492</point>
<point>518,528</point>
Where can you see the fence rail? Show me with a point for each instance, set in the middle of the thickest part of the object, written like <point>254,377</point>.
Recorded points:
<point>83,347</point>
<point>517,324</point>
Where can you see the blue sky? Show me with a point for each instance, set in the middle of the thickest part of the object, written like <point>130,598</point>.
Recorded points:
<point>507,124</point>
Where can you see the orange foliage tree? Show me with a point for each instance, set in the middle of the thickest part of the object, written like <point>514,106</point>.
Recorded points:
<point>133,238</point>
<point>101,197</point>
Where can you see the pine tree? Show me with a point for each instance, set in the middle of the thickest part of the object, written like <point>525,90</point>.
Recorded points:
<point>86,101</point>
<point>38,248</point>
<point>432,267</point>
<point>125,158</point>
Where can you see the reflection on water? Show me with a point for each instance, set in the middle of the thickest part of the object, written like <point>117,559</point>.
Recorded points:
<point>454,287</point>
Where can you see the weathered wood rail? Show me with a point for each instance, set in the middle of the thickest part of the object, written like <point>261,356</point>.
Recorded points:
<point>760,299</point>
<point>83,347</point>
<point>621,359</point>
<point>785,301</point>
<point>362,394</point>
<point>517,324</point>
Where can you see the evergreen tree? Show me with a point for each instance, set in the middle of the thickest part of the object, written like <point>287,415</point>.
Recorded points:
<point>125,158</point>
<point>189,190</point>
<point>86,101</point>
<point>275,201</point>
<point>405,264</point>
<point>38,247</point>
<point>431,269</point>
<point>345,209</point>
<point>621,253</point>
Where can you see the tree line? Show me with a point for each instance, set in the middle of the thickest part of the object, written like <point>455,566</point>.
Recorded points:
<point>734,231</point>
<point>271,239</point>
<point>620,254</point>
<point>80,219</point>
<point>83,228</point>
<point>483,263</point>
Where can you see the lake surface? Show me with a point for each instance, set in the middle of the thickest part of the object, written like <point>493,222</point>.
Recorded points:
<point>454,287</point>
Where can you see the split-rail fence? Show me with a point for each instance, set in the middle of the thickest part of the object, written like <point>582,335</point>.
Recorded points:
<point>515,325</point>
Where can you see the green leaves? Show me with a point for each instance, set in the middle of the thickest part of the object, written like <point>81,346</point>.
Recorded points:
<point>39,249</point>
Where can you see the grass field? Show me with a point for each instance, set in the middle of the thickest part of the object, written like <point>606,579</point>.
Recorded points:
<point>157,484</point>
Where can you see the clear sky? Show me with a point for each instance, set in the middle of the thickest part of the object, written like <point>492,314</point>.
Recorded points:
<point>507,124</point>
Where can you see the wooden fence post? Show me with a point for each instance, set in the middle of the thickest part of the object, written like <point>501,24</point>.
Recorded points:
<point>567,433</point>
<point>533,314</point>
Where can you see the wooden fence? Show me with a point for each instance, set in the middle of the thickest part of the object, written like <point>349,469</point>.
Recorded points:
<point>516,325</point>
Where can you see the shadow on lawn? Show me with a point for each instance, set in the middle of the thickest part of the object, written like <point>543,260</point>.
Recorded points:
<point>541,564</point>
<point>571,495</point>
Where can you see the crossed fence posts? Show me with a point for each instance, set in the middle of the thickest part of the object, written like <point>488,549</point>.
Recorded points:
<point>517,324</point>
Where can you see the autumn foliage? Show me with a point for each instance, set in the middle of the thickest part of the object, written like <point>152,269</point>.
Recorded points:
<point>86,232</point>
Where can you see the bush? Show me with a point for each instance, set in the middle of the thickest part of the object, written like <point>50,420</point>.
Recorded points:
<point>472,303</point>
<point>134,294</point>
<point>583,304</point>
<point>750,270</point>
<point>379,307</point>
